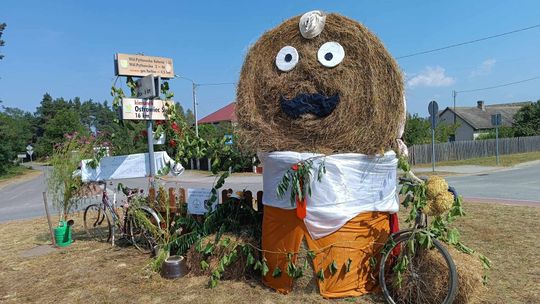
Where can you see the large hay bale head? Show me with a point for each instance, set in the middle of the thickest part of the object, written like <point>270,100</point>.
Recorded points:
<point>370,112</point>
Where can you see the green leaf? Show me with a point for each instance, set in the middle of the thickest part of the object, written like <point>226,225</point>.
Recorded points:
<point>453,236</point>
<point>250,259</point>
<point>277,272</point>
<point>333,267</point>
<point>264,269</point>
<point>222,263</point>
<point>258,265</point>
<point>225,242</point>
<point>209,248</point>
<point>311,255</point>
<point>291,269</point>
<point>320,275</point>
<point>213,283</point>
<point>204,265</point>
<point>348,265</point>
<point>486,263</point>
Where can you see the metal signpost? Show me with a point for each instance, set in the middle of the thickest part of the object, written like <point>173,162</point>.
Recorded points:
<point>496,121</point>
<point>433,109</point>
<point>145,106</point>
<point>148,87</point>
<point>30,151</point>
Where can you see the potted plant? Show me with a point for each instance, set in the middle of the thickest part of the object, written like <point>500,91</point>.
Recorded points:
<point>64,183</point>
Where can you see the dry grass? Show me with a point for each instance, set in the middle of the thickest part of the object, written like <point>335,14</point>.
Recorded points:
<point>90,272</point>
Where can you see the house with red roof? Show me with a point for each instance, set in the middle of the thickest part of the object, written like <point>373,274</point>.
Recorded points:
<point>225,114</point>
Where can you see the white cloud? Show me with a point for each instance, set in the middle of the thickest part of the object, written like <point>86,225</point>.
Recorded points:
<point>431,77</point>
<point>484,68</point>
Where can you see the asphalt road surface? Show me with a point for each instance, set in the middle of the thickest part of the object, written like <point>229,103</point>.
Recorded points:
<point>518,185</point>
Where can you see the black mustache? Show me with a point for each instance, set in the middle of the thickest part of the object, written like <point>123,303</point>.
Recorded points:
<point>317,104</point>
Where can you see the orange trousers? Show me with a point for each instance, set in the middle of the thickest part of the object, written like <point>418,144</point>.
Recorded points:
<point>358,240</point>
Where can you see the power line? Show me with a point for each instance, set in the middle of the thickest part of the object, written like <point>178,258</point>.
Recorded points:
<point>468,42</point>
<point>215,84</point>
<point>498,86</point>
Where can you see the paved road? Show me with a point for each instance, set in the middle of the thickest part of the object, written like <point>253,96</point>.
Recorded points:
<point>518,185</point>
<point>25,200</point>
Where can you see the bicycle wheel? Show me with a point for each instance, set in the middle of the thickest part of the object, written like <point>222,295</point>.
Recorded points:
<point>142,230</point>
<point>430,276</point>
<point>97,223</point>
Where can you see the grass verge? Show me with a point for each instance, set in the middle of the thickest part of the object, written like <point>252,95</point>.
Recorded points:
<point>506,160</point>
<point>92,272</point>
<point>17,173</point>
<point>14,171</point>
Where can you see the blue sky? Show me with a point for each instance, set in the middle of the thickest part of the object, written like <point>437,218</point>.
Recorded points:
<point>66,47</point>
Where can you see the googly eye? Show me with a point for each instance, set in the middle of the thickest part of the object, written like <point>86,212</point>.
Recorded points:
<point>287,58</point>
<point>330,54</point>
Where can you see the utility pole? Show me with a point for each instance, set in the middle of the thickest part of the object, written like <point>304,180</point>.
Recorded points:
<point>194,85</point>
<point>454,94</point>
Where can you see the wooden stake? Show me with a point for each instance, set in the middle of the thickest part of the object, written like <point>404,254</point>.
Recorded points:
<point>49,218</point>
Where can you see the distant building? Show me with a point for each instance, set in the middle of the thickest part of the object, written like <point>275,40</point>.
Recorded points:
<point>225,114</point>
<point>474,121</point>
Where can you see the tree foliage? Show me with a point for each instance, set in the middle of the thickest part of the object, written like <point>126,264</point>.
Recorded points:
<point>2,42</point>
<point>527,120</point>
<point>418,131</point>
<point>15,133</point>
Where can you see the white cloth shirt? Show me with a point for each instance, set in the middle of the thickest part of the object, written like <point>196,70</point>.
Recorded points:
<point>353,183</point>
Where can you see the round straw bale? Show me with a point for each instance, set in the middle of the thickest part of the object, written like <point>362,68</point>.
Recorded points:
<point>237,270</point>
<point>368,82</point>
<point>433,269</point>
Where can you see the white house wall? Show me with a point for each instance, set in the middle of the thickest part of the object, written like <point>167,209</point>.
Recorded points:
<point>463,132</point>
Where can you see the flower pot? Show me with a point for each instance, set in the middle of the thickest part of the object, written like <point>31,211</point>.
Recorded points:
<point>174,267</point>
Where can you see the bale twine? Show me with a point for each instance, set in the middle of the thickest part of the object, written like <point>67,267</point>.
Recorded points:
<point>368,81</point>
<point>237,270</point>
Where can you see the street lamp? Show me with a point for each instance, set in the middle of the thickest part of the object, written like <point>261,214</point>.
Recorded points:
<point>194,87</point>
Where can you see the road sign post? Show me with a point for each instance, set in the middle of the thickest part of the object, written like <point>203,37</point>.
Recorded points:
<point>30,151</point>
<point>496,121</point>
<point>433,109</point>
<point>147,106</point>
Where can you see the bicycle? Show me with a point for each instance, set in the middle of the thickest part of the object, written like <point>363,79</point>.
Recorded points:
<point>403,246</point>
<point>97,221</point>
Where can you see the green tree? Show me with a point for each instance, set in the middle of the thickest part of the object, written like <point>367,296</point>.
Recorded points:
<point>527,120</point>
<point>64,122</point>
<point>2,42</point>
<point>418,131</point>
<point>15,133</point>
<point>190,117</point>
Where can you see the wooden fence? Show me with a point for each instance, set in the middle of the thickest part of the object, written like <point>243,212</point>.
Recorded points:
<point>458,150</point>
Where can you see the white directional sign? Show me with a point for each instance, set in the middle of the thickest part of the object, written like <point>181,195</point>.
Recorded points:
<point>144,109</point>
<point>29,148</point>
<point>21,156</point>
<point>141,65</point>
<point>148,87</point>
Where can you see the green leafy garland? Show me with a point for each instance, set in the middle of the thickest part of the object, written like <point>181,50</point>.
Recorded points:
<point>298,179</point>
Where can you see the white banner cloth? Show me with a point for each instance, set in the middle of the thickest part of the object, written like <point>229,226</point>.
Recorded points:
<point>353,183</point>
<point>128,166</point>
